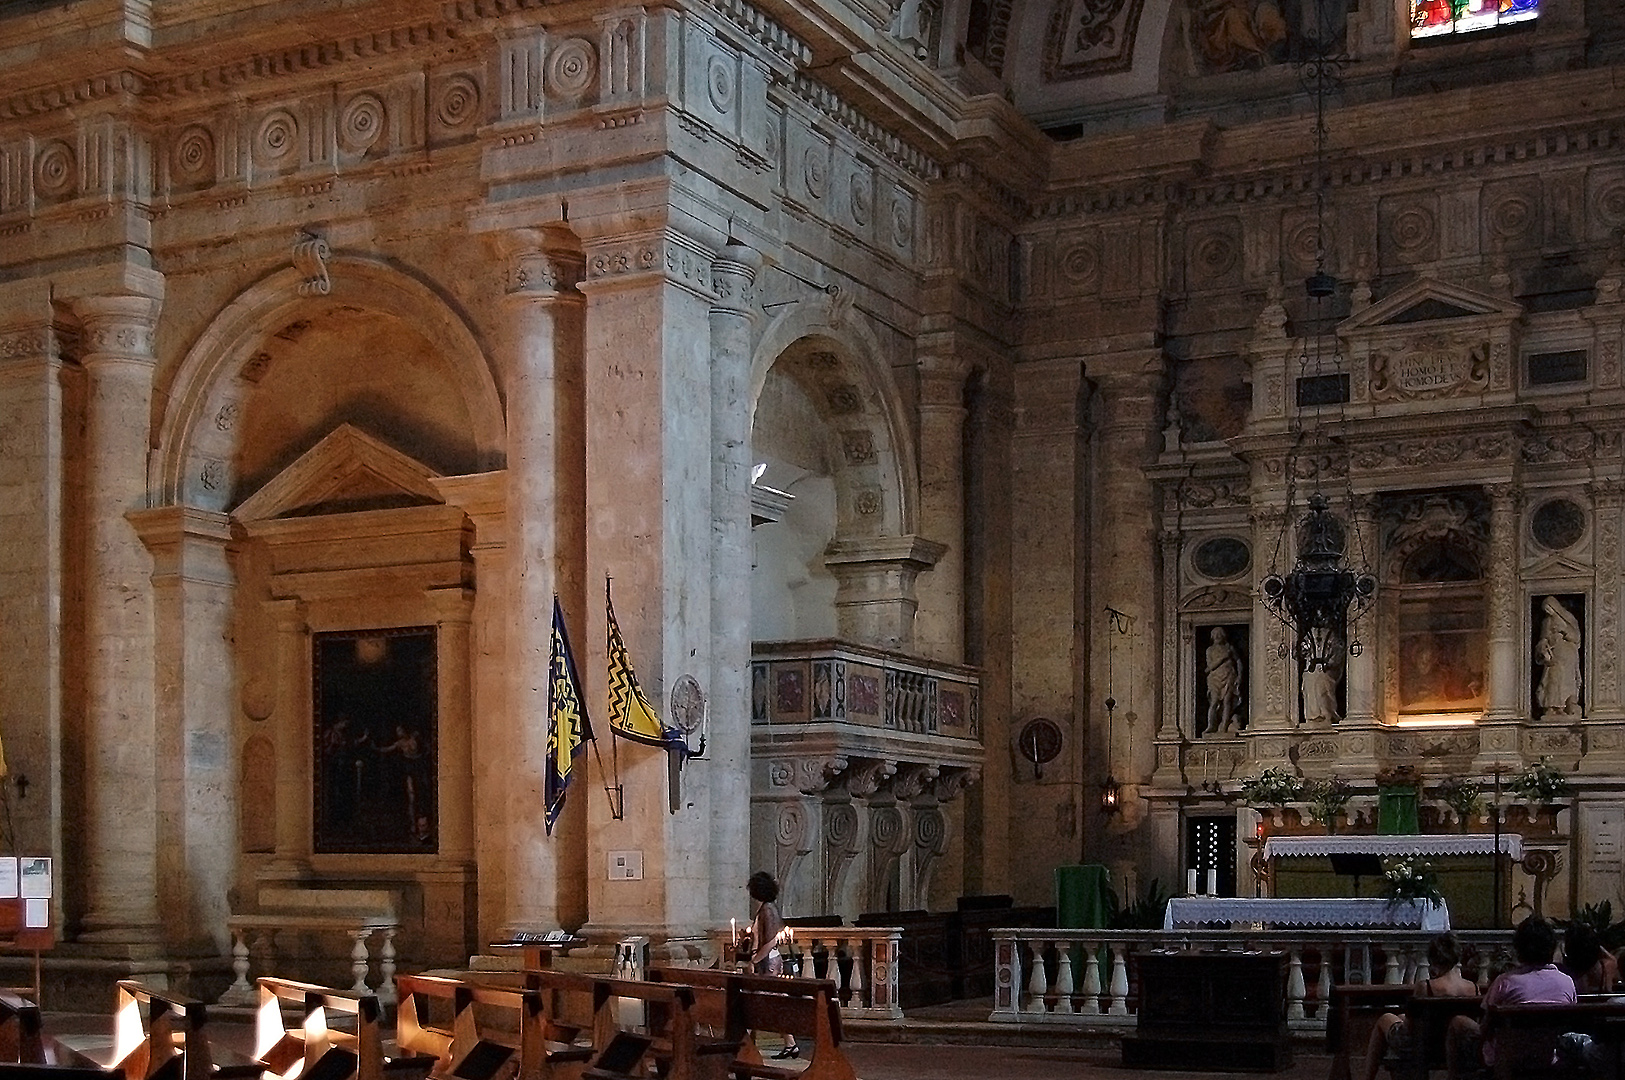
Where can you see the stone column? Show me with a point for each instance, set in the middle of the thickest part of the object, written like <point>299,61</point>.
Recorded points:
<point>546,882</point>
<point>1267,669</point>
<point>727,759</point>
<point>35,635</point>
<point>875,601</point>
<point>939,624</point>
<point>1123,569</point>
<point>1359,731</point>
<point>1047,517</point>
<point>483,497</point>
<point>292,725</point>
<point>196,705</point>
<point>1507,704</point>
<point>120,839</point>
<point>650,527</point>
<point>1168,738</point>
<point>453,616</point>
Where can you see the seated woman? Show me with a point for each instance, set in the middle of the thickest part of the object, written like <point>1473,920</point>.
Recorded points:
<point>1469,1049</point>
<point>1593,968</point>
<point>1445,980</point>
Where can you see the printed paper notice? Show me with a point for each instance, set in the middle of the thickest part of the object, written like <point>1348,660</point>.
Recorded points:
<point>36,913</point>
<point>36,879</point>
<point>8,877</point>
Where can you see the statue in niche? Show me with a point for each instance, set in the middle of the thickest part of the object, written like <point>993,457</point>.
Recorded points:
<point>1321,678</point>
<point>1223,668</point>
<point>1173,432</point>
<point>1557,650</point>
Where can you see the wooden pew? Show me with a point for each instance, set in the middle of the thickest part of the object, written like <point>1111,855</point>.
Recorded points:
<point>1352,1013</point>
<point>1427,1020</point>
<point>672,1036</point>
<point>494,1031</point>
<point>316,1050</point>
<point>739,1003</point>
<point>161,1035</point>
<point>1526,1035</point>
<point>23,1040</point>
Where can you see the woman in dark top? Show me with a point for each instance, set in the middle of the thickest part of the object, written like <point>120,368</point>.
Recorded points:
<point>767,931</point>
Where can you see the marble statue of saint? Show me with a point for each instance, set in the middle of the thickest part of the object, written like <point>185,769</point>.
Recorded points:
<point>1224,671</point>
<point>1321,677</point>
<point>1557,650</point>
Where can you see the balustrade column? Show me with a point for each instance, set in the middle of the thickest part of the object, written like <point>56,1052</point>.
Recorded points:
<point>733,276</point>
<point>119,790</point>
<point>546,875</point>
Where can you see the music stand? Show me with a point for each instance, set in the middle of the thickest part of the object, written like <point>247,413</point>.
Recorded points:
<point>1356,865</point>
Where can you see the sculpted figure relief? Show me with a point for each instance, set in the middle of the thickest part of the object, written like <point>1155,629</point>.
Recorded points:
<point>1224,669</point>
<point>1557,651</point>
<point>1321,679</point>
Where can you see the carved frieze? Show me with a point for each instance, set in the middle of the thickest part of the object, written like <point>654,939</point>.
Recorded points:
<point>1571,444</point>
<point>1442,450</point>
<point>1430,367</point>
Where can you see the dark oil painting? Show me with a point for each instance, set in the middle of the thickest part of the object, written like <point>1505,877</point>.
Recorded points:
<point>376,751</point>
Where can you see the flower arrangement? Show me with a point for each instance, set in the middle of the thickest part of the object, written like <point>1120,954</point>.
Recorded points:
<point>1274,786</point>
<point>1326,799</point>
<point>1410,878</point>
<point>1541,782</point>
<point>1465,797</point>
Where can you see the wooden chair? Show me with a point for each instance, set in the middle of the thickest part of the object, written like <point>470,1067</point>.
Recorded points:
<point>315,1050</point>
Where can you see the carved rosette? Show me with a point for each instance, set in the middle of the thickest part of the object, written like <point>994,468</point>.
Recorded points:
<point>545,275</point>
<point>26,343</point>
<point>733,279</point>
<point>117,328</point>
<point>682,261</point>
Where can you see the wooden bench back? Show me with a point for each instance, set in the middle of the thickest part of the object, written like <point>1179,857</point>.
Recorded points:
<point>740,1003</point>
<point>1428,1020</point>
<point>21,1031</point>
<point>327,1052</point>
<point>671,1009</point>
<point>159,1033</point>
<point>472,1048</point>
<point>1526,1035</point>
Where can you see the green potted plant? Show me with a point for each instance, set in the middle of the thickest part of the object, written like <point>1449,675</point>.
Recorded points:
<point>1541,782</point>
<point>1410,879</point>
<point>1465,797</point>
<point>1326,799</point>
<point>1274,786</point>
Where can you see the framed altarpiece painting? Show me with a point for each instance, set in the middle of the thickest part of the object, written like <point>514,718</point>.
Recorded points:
<point>376,746</point>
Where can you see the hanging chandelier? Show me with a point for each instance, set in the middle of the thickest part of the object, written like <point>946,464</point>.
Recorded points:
<point>1324,591</point>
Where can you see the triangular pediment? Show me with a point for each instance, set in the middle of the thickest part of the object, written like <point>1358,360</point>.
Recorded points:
<point>1431,301</point>
<point>1558,566</point>
<point>348,470</point>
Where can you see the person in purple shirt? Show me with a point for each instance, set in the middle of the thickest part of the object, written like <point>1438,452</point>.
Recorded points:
<point>1536,979</point>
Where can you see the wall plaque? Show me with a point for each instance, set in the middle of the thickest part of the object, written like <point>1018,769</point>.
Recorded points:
<point>1431,367</point>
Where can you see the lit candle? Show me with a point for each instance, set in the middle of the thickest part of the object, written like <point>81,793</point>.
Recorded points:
<point>1190,882</point>
<point>733,930</point>
<point>1212,881</point>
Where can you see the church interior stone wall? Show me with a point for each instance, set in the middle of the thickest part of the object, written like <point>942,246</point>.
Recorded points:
<point>933,383</point>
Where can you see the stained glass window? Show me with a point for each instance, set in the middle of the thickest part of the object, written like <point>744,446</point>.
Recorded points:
<point>1434,18</point>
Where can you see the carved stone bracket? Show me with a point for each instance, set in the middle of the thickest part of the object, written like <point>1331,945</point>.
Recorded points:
<point>310,255</point>
<point>952,781</point>
<point>911,779</point>
<point>793,837</point>
<point>809,775</point>
<point>842,842</point>
<point>889,837</point>
<point>930,842</point>
<point>866,776</point>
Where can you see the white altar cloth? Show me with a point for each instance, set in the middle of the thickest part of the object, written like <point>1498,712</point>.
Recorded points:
<point>1415,844</point>
<point>1352,912</point>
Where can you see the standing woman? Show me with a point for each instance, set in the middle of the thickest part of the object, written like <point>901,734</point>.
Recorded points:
<point>766,930</point>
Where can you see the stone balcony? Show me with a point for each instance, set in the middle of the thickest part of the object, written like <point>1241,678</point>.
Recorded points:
<point>855,754</point>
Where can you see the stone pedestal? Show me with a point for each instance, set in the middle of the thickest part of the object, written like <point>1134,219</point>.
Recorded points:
<point>875,601</point>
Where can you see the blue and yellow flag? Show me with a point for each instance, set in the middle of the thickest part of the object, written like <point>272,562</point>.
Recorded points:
<point>568,727</point>
<point>630,714</point>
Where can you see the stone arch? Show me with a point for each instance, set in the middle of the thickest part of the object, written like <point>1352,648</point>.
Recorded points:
<point>838,361</point>
<point>196,435</point>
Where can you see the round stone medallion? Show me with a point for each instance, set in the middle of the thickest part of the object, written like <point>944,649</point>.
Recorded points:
<point>1222,557</point>
<point>1558,524</point>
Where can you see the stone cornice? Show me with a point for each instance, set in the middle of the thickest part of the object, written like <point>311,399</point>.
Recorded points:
<point>891,147</point>
<point>47,99</point>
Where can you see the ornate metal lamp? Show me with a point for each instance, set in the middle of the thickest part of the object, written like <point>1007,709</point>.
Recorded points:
<point>1322,592</point>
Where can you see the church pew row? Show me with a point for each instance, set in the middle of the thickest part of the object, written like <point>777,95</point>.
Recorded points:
<point>739,1004</point>
<point>23,1041</point>
<point>317,1049</point>
<point>476,1032</point>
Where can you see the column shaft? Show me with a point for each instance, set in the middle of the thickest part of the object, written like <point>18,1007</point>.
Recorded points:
<point>292,727</point>
<point>121,839</point>
<point>939,622</point>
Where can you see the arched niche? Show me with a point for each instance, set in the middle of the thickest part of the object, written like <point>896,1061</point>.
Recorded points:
<point>277,371</point>
<point>827,422</point>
